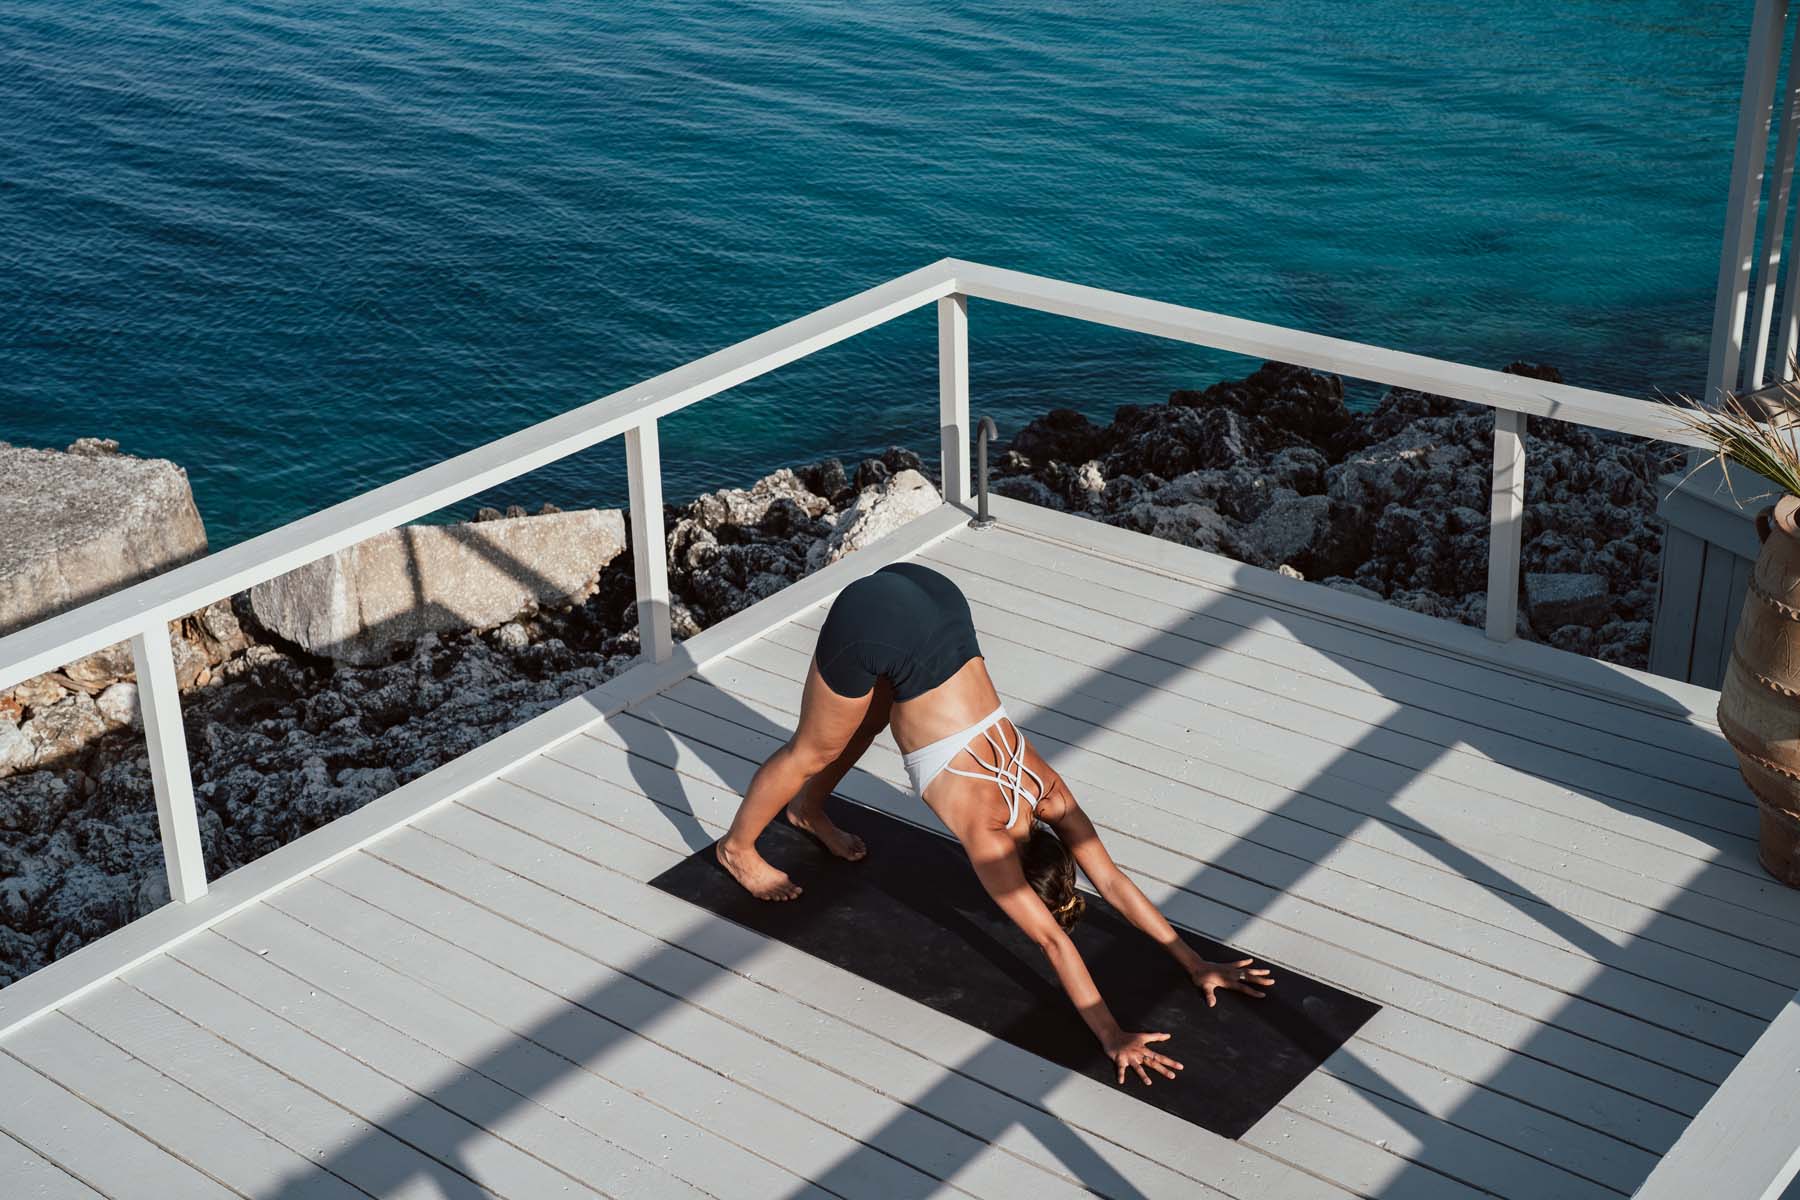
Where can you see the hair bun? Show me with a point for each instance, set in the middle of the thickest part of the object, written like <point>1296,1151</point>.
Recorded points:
<point>1071,910</point>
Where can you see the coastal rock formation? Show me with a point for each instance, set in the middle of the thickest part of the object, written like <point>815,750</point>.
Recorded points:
<point>361,603</point>
<point>78,524</point>
<point>282,740</point>
<point>1275,470</point>
<point>82,522</point>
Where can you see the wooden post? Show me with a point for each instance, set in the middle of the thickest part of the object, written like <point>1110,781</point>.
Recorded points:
<point>649,551</point>
<point>953,397</point>
<point>1506,525</point>
<point>159,700</point>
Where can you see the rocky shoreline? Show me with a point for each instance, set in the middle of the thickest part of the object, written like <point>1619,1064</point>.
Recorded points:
<point>1273,470</point>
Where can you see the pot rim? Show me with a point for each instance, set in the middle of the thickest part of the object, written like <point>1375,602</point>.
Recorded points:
<point>1786,515</point>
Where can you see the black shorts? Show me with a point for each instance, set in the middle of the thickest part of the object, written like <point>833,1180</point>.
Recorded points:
<point>905,622</point>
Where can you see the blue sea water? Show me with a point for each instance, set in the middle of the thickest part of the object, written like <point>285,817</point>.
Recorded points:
<point>303,250</point>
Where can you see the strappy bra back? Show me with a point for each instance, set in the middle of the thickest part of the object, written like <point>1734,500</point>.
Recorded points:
<point>1019,784</point>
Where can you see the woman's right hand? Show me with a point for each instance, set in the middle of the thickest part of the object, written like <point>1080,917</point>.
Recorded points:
<point>1131,1051</point>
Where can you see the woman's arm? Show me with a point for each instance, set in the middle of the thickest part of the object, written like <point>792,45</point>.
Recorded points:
<point>996,863</point>
<point>1090,854</point>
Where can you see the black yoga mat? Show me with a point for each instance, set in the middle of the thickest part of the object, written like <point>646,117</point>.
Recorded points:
<point>913,918</point>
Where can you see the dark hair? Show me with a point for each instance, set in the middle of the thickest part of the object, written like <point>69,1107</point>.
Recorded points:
<point>1051,873</point>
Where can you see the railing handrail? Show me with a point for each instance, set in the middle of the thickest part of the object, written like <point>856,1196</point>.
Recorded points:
<point>1319,352</point>
<point>60,639</point>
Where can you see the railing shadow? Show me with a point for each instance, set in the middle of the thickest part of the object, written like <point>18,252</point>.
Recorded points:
<point>1159,657</point>
<point>1170,654</point>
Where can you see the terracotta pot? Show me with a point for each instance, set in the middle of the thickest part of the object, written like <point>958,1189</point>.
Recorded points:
<point>1759,702</point>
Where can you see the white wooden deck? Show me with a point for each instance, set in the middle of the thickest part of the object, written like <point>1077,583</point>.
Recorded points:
<point>1545,874</point>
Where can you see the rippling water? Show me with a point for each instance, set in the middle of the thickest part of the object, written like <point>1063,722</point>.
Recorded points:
<point>303,252</point>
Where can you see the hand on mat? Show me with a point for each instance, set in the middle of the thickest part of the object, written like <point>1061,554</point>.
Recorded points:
<point>1241,976</point>
<point>1132,1052</point>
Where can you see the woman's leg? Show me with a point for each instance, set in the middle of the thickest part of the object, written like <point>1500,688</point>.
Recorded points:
<point>807,810</point>
<point>828,724</point>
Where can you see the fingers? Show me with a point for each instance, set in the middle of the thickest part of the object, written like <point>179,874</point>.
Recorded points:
<point>1156,1037</point>
<point>1121,1070</point>
<point>1142,1074</point>
<point>1162,1067</point>
<point>1211,998</point>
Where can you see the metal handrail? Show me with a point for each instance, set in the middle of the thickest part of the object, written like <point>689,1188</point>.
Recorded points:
<point>985,431</point>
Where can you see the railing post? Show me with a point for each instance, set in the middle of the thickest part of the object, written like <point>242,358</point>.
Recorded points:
<point>1506,525</point>
<point>159,700</point>
<point>953,396</point>
<point>649,550</point>
<point>1749,161</point>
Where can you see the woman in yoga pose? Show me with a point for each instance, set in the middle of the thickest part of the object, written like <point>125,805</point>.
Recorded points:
<point>899,647</point>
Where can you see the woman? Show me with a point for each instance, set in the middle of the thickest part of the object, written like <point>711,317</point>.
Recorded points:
<point>899,647</point>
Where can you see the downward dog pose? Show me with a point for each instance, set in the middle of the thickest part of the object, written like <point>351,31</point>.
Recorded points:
<point>899,647</point>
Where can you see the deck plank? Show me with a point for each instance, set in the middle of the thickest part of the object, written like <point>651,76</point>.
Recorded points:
<point>577,1153</point>
<point>567,1027</point>
<point>181,1121</point>
<point>293,1115</point>
<point>106,1155</point>
<point>588,1101</point>
<point>482,1158</point>
<point>758,1094</point>
<point>1606,1148</point>
<point>30,1176</point>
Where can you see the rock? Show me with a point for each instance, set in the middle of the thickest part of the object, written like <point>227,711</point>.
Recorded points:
<point>1308,533</point>
<point>103,667</point>
<point>876,512</point>
<point>16,750</point>
<point>79,525</point>
<point>1191,524</point>
<point>1556,599</point>
<point>512,636</point>
<point>358,605</point>
<point>1063,435</point>
<point>61,732</point>
<point>93,447</point>
<point>118,705</point>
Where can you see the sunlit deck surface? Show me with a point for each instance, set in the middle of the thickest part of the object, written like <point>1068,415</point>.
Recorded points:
<point>1546,875</point>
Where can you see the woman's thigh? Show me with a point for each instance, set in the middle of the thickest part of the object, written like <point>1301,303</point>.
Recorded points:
<point>828,721</point>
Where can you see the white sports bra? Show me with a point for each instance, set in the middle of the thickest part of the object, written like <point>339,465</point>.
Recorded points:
<point>1017,781</point>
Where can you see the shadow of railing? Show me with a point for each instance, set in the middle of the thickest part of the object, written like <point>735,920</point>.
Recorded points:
<point>1159,656</point>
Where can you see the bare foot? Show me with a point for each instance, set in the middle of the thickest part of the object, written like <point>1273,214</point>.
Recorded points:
<point>845,845</point>
<point>754,872</point>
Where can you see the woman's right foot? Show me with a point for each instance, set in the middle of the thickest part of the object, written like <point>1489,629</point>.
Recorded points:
<point>754,872</point>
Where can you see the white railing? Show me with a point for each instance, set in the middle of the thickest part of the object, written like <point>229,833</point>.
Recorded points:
<point>142,612</point>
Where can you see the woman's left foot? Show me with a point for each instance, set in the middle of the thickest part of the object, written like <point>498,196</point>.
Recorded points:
<point>845,845</point>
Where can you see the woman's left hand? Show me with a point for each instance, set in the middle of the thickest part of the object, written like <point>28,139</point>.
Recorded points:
<point>1241,976</point>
